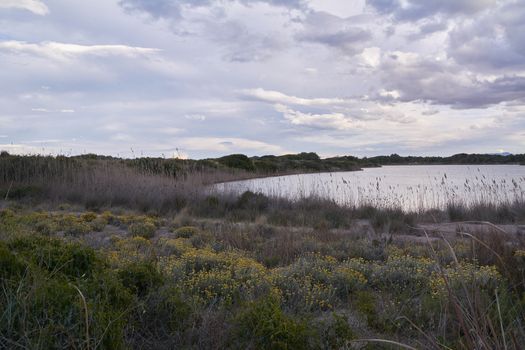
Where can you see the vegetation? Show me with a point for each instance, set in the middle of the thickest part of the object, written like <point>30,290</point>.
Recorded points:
<point>97,252</point>
<point>224,285</point>
<point>461,158</point>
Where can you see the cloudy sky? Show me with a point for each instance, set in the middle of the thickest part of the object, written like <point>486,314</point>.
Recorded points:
<point>203,78</point>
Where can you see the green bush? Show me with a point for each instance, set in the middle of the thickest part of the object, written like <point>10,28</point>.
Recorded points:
<point>253,201</point>
<point>165,312</point>
<point>237,161</point>
<point>70,259</point>
<point>263,325</point>
<point>98,224</point>
<point>335,333</point>
<point>88,217</point>
<point>185,232</point>
<point>42,300</point>
<point>317,282</point>
<point>10,265</point>
<point>143,229</point>
<point>72,225</point>
<point>140,277</point>
<point>21,192</point>
<point>46,227</point>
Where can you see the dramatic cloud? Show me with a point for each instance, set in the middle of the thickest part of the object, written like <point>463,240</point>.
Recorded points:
<point>441,81</point>
<point>203,78</point>
<point>494,41</point>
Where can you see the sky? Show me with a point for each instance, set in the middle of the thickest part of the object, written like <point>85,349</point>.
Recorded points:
<point>206,78</point>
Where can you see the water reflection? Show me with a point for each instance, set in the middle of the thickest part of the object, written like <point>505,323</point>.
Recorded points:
<point>408,187</point>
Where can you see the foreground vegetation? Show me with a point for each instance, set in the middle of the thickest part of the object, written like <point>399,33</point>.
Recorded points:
<point>114,254</point>
<point>79,279</point>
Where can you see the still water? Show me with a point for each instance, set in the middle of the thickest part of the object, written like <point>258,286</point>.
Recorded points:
<point>413,187</point>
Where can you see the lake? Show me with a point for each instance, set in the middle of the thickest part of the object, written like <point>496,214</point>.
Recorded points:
<point>411,187</point>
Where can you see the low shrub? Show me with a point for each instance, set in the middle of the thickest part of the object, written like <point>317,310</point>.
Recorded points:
<point>141,277</point>
<point>306,284</point>
<point>98,224</point>
<point>143,229</point>
<point>55,256</point>
<point>88,217</point>
<point>185,232</point>
<point>335,332</point>
<point>217,279</point>
<point>72,225</point>
<point>10,265</point>
<point>49,289</point>
<point>263,325</point>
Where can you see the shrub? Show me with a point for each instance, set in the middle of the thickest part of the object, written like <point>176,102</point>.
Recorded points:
<point>458,278</point>
<point>10,265</point>
<point>306,284</point>
<point>46,227</point>
<point>88,217</point>
<point>346,281</point>
<point>263,325</point>
<point>162,317</point>
<point>140,277</point>
<point>335,333</point>
<point>20,192</point>
<point>44,307</point>
<point>71,225</point>
<point>143,229</point>
<point>219,279</point>
<point>174,247</point>
<point>53,255</point>
<point>402,273</point>
<point>185,232</point>
<point>98,224</point>
<point>253,201</point>
<point>237,161</point>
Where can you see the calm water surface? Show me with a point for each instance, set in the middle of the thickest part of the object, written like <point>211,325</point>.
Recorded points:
<point>412,187</point>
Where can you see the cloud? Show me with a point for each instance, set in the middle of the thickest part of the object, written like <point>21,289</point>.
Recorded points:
<point>496,40</point>
<point>61,51</point>
<point>333,121</point>
<point>35,6</point>
<point>173,8</point>
<point>393,76</point>
<point>442,81</point>
<point>281,98</point>
<point>414,10</point>
<point>218,144</point>
<point>336,113</point>
<point>242,43</point>
<point>326,29</point>
<point>198,117</point>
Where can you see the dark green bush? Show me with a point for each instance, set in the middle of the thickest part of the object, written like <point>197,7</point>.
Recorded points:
<point>164,313</point>
<point>140,277</point>
<point>55,256</point>
<point>237,161</point>
<point>42,301</point>
<point>10,265</point>
<point>335,333</point>
<point>253,201</point>
<point>21,192</point>
<point>263,325</point>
